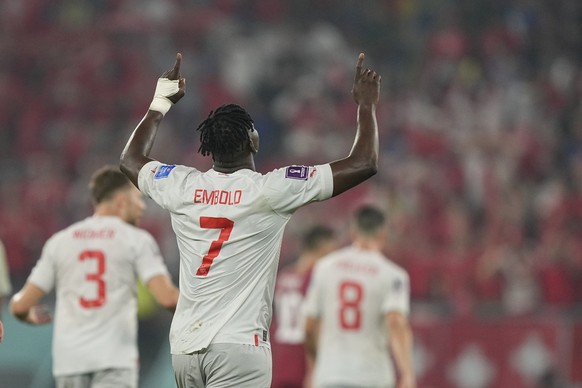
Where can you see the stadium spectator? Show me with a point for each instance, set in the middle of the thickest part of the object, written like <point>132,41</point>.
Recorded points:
<point>483,100</point>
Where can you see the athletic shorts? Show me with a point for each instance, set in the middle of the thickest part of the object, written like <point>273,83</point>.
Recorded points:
<point>107,378</point>
<point>224,365</point>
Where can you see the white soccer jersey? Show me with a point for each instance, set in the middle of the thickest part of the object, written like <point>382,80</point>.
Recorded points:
<point>229,229</point>
<point>351,291</point>
<point>94,265</point>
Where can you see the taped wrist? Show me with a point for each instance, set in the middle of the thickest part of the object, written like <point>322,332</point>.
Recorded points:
<point>165,88</point>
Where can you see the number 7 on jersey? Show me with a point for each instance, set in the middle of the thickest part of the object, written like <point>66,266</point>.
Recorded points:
<point>225,225</point>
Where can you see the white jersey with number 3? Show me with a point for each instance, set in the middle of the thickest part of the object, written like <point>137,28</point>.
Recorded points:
<point>229,229</point>
<point>94,265</point>
<point>350,292</point>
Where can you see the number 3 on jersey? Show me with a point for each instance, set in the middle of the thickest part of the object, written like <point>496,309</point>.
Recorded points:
<point>95,276</point>
<point>225,225</point>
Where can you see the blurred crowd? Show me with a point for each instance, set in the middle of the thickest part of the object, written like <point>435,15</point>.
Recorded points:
<point>480,124</point>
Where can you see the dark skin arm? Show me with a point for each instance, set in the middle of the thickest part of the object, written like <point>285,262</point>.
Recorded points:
<point>359,165</point>
<point>362,162</point>
<point>136,152</point>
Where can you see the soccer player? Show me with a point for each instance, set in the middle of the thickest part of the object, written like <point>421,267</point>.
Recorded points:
<point>229,224</point>
<point>5,286</point>
<point>94,266</point>
<point>290,367</point>
<point>357,305</point>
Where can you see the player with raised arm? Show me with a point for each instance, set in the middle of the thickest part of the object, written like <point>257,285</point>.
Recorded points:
<point>357,306</point>
<point>291,368</point>
<point>229,224</point>
<point>94,265</point>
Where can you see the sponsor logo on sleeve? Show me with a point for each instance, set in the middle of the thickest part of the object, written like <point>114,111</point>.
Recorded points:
<point>297,172</point>
<point>164,170</point>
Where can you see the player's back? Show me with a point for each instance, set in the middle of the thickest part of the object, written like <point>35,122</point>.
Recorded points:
<point>354,288</point>
<point>233,238</point>
<point>229,229</point>
<point>95,276</point>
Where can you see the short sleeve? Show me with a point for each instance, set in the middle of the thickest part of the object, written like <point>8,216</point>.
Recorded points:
<point>149,261</point>
<point>43,274</point>
<point>289,188</point>
<point>312,304</point>
<point>397,298</point>
<point>163,182</point>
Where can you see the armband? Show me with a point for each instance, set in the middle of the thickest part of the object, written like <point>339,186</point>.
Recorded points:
<point>165,88</point>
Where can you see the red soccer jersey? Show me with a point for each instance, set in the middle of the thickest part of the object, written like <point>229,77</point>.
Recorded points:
<point>289,362</point>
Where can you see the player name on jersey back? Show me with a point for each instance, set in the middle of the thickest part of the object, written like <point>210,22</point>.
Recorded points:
<point>217,197</point>
<point>357,267</point>
<point>94,233</point>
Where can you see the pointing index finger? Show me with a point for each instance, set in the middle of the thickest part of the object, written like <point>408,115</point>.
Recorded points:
<point>177,64</point>
<point>360,61</point>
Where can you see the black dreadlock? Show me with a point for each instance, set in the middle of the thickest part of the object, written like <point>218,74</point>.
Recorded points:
<point>225,130</point>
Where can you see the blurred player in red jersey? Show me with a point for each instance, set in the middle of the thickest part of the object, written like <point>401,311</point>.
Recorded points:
<point>290,367</point>
<point>229,223</point>
<point>357,309</point>
<point>94,266</point>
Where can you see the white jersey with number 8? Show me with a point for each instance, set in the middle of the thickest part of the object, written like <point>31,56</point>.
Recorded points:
<point>350,292</point>
<point>229,229</point>
<point>94,265</point>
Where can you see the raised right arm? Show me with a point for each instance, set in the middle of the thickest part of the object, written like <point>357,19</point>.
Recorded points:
<point>362,162</point>
<point>169,90</point>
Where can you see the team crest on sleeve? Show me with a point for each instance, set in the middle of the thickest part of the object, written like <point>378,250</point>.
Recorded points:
<point>164,170</point>
<point>297,172</point>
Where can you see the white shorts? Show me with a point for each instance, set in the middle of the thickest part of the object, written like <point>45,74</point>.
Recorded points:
<point>224,365</point>
<point>107,378</point>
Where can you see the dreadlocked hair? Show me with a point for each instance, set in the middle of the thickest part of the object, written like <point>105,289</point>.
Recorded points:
<point>225,130</point>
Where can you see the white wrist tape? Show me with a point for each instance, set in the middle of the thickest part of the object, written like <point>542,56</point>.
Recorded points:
<point>164,89</point>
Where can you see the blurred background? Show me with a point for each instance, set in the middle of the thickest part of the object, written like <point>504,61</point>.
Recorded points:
<point>481,153</point>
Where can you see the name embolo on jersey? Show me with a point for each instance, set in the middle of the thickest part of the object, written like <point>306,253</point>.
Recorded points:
<point>351,290</point>
<point>94,265</point>
<point>229,229</point>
